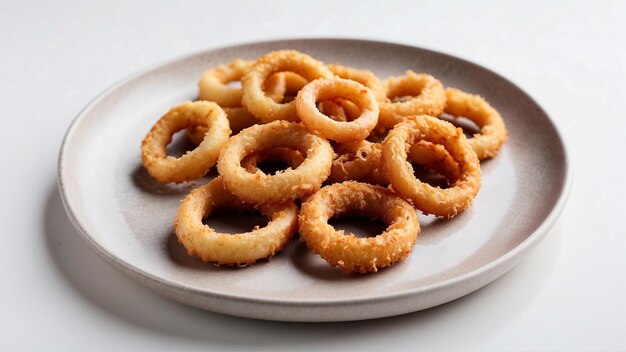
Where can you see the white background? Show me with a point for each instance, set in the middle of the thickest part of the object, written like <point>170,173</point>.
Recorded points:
<point>568,294</point>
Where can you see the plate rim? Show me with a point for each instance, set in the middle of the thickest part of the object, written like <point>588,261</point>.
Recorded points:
<point>546,224</point>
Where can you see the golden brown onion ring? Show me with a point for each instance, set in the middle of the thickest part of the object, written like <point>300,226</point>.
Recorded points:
<point>213,83</point>
<point>256,100</point>
<point>193,164</point>
<point>231,249</point>
<point>431,200</point>
<point>259,188</point>
<point>425,96</point>
<point>346,251</point>
<point>332,88</point>
<point>492,134</point>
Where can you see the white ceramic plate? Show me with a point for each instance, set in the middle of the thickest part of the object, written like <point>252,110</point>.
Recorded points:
<point>127,217</point>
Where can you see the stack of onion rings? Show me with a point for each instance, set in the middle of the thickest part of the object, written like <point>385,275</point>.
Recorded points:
<point>257,101</point>
<point>353,108</point>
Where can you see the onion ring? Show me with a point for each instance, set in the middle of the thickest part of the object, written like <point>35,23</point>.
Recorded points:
<point>259,188</point>
<point>238,119</point>
<point>329,88</point>
<point>426,97</point>
<point>431,200</point>
<point>349,253</point>
<point>195,163</point>
<point>365,77</point>
<point>212,85</point>
<point>356,161</point>
<point>492,133</point>
<point>256,100</point>
<point>291,157</point>
<point>231,249</point>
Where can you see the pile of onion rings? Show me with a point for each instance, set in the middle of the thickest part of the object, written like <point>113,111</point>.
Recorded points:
<point>349,144</point>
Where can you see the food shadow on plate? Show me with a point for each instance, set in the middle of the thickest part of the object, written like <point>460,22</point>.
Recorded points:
<point>435,229</point>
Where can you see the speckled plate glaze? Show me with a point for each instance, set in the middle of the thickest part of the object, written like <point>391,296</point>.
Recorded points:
<point>127,218</point>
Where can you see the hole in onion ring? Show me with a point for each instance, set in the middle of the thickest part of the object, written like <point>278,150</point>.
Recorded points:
<point>469,127</point>
<point>232,221</point>
<point>360,226</point>
<point>378,135</point>
<point>272,167</point>
<point>284,86</point>
<point>313,265</point>
<point>339,109</point>
<point>402,92</point>
<point>430,176</point>
<point>402,99</point>
<point>179,145</point>
<point>234,84</point>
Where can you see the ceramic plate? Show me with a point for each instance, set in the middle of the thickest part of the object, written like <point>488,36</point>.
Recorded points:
<point>126,217</point>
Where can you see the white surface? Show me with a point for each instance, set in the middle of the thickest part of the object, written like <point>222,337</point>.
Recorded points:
<point>568,294</point>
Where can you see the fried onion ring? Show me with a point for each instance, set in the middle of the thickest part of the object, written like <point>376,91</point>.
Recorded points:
<point>346,251</point>
<point>256,100</point>
<point>329,88</point>
<point>492,133</point>
<point>425,96</point>
<point>259,188</point>
<point>238,119</point>
<point>231,249</point>
<point>431,200</point>
<point>213,84</point>
<point>193,164</point>
<point>365,77</point>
